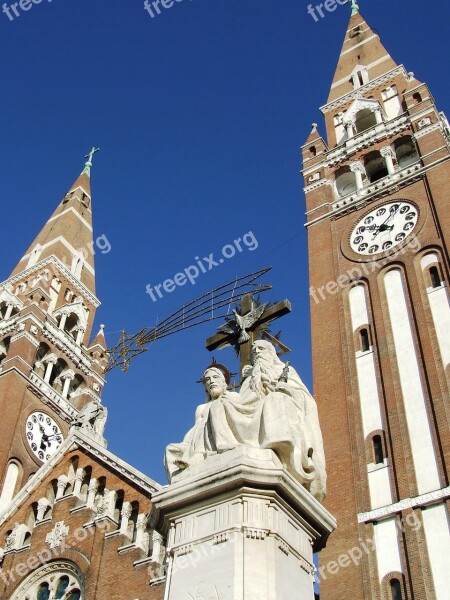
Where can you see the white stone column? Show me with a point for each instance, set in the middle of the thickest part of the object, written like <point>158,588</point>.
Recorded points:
<point>92,491</point>
<point>78,482</point>
<point>358,169</point>
<point>157,547</point>
<point>125,514</point>
<point>240,527</point>
<point>51,361</point>
<point>43,504</point>
<point>61,487</point>
<point>388,155</point>
<point>142,537</point>
<point>67,376</point>
<point>349,129</point>
<point>63,320</point>
<point>9,309</point>
<point>80,335</point>
<point>378,115</point>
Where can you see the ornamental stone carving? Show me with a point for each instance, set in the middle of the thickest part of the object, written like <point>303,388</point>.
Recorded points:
<point>55,538</point>
<point>357,167</point>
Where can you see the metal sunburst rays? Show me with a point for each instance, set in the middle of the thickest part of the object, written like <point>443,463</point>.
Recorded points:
<point>215,304</point>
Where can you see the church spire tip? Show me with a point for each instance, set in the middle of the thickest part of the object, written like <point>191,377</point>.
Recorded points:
<point>355,7</point>
<point>88,164</point>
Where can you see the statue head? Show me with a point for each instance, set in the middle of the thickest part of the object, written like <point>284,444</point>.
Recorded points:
<point>214,382</point>
<point>264,352</point>
<point>267,367</point>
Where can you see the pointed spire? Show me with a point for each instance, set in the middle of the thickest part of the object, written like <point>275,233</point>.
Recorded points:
<point>355,7</point>
<point>68,232</point>
<point>99,339</point>
<point>363,56</point>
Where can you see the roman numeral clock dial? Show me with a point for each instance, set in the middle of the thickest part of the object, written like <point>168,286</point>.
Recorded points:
<point>43,435</point>
<point>384,228</point>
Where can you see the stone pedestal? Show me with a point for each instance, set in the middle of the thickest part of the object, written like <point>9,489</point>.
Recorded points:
<point>239,527</point>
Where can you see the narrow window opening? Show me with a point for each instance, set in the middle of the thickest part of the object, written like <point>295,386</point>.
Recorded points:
<point>313,151</point>
<point>396,590</point>
<point>43,592</point>
<point>435,277</point>
<point>378,449</point>
<point>365,342</point>
<point>417,98</point>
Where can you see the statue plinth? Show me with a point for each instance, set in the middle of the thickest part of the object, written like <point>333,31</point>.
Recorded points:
<point>240,527</point>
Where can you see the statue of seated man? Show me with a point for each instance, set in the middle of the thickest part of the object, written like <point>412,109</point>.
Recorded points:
<point>273,410</point>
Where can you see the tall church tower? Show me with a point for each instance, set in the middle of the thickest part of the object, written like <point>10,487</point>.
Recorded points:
<point>48,369</point>
<point>378,223</point>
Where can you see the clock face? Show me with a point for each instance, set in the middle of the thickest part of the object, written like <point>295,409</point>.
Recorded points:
<point>43,435</point>
<point>384,227</point>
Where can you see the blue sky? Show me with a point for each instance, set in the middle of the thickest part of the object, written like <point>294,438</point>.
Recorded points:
<point>199,114</point>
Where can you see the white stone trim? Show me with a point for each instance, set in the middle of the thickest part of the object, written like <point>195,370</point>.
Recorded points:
<point>53,260</point>
<point>77,440</point>
<point>76,213</point>
<point>70,248</point>
<point>379,188</point>
<point>385,512</point>
<point>363,90</point>
<point>368,67</point>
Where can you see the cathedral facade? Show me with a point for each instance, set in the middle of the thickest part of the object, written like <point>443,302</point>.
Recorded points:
<point>76,521</point>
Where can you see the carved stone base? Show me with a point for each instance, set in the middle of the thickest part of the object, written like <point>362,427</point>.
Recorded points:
<point>239,527</point>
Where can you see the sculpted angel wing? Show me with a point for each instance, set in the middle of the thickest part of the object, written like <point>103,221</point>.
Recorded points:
<point>229,327</point>
<point>250,318</point>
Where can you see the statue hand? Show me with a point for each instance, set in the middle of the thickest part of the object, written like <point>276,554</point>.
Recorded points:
<point>282,386</point>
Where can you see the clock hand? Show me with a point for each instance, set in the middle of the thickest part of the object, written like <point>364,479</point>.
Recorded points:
<point>384,226</point>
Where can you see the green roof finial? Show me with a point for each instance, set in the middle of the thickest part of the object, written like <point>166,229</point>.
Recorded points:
<point>88,165</point>
<point>355,7</point>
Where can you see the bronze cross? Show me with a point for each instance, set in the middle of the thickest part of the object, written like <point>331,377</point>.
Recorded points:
<point>231,336</point>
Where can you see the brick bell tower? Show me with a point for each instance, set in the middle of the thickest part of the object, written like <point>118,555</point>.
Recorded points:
<point>48,370</point>
<point>378,220</point>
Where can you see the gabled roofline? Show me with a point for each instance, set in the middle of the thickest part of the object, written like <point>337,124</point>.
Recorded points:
<point>77,440</point>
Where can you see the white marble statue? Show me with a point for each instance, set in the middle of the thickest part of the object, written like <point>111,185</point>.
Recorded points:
<point>273,410</point>
<point>288,421</point>
<point>92,418</point>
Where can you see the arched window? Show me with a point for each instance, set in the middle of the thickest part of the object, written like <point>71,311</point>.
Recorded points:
<point>345,182</point>
<point>63,584</point>
<point>375,166</point>
<point>133,520</point>
<point>43,592</point>
<point>435,277</point>
<point>359,77</point>
<point>405,151</point>
<point>391,101</point>
<point>365,119</point>
<point>396,589</point>
<point>378,453</point>
<point>417,98</point>
<point>365,342</point>
<point>32,515</point>
<point>313,151</point>
<point>85,483</point>
<point>118,507</point>
<point>58,580</point>
<point>9,484</point>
